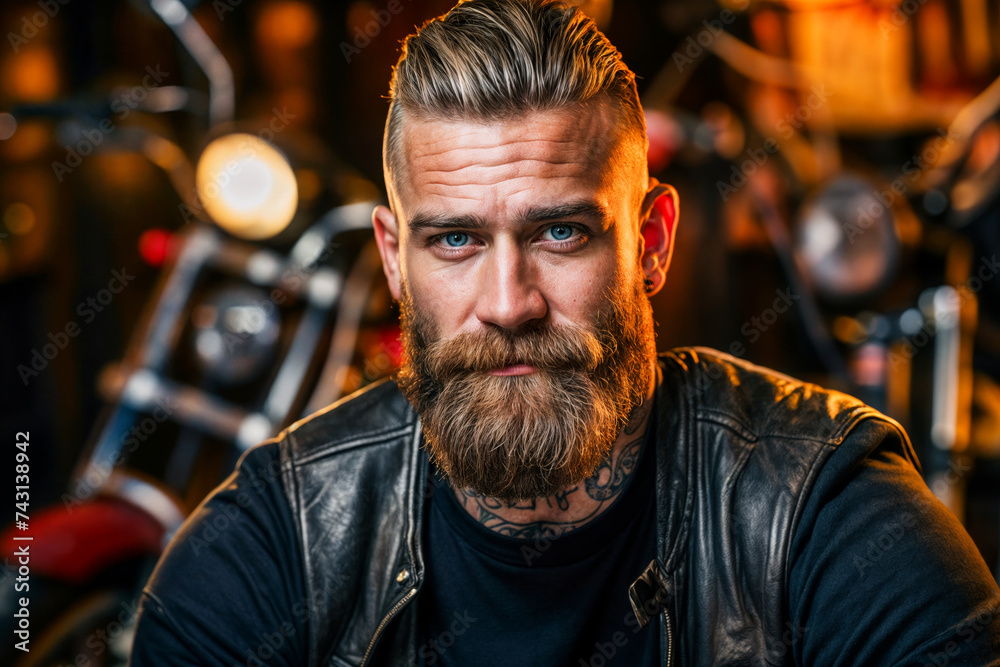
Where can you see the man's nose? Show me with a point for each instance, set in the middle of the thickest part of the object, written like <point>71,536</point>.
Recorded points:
<point>508,293</point>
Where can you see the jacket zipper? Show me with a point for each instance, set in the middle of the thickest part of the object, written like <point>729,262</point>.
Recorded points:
<point>670,637</point>
<point>385,621</point>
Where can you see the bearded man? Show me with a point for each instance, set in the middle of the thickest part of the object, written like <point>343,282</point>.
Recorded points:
<point>537,486</point>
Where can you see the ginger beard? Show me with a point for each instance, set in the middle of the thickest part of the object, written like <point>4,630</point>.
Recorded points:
<point>526,436</point>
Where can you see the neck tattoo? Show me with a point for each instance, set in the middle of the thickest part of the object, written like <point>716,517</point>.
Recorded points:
<point>572,507</point>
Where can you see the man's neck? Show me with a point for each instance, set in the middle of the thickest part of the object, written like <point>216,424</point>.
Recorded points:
<point>575,505</point>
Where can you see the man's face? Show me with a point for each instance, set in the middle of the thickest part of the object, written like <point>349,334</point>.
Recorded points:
<point>515,250</point>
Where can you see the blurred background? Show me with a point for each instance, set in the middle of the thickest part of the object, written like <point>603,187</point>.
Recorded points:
<point>187,265</point>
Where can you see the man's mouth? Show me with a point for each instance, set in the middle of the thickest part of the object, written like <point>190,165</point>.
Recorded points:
<point>513,369</point>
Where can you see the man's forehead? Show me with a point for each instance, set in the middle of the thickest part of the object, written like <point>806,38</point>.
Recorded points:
<point>562,156</point>
<point>584,127</point>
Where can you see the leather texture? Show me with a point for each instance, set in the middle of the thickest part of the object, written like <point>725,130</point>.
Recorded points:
<point>737,450</point>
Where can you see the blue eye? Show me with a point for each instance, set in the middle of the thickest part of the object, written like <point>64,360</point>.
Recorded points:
<point>456,239</point>
<point>561,232</point>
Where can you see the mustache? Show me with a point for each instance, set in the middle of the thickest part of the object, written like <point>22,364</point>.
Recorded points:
<point>548,348</point>
<point>531,435</point>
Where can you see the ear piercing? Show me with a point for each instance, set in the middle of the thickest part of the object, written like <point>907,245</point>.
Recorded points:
<point>649,285</point>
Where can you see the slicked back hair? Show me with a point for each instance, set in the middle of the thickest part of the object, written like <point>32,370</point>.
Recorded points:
<point>497,60</point>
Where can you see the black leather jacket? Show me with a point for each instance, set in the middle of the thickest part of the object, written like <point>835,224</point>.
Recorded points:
<point>738,448</point>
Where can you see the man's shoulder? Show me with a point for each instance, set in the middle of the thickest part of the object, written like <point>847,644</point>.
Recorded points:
<point>374,415</point>
<point>760,403</point>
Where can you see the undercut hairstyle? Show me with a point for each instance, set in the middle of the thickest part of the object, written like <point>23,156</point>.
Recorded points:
<point>498,60</point>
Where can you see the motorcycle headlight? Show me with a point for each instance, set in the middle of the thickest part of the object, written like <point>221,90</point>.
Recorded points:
<point>246,186</point>
<point>846,240</point>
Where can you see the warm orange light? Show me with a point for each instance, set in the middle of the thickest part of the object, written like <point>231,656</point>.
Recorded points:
<point>599,10</point>
<point>32,76</point>
<point>19,218</point>
<point>246,186</point>
<point>287,24</point>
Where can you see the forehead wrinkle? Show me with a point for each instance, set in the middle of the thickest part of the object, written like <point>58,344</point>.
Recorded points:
<point>504,179</point>
<point>508,131</point>
<point>453,196</point>
<point>479,165</point>
<point>490,146</point>
<point>504,153</point>
<point>486,136</point>
<point>584,145</point>
<point>463,135</point>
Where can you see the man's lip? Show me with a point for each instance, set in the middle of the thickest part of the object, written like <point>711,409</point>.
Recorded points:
<point>513,369</point>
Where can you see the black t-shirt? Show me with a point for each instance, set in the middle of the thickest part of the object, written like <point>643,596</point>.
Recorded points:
<point>880,573</point>
<point>490,599</point>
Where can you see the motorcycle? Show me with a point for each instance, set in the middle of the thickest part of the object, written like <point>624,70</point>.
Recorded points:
<point>876,219</point>
<point>266,311</point>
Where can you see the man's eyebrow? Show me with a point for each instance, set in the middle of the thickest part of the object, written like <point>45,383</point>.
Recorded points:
<point>579,209</point>
<point>576,209</point>
<point>422,220</point>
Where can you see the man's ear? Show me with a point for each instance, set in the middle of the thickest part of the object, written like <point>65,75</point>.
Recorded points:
<point>660,211</point>
<point>387,238</point>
